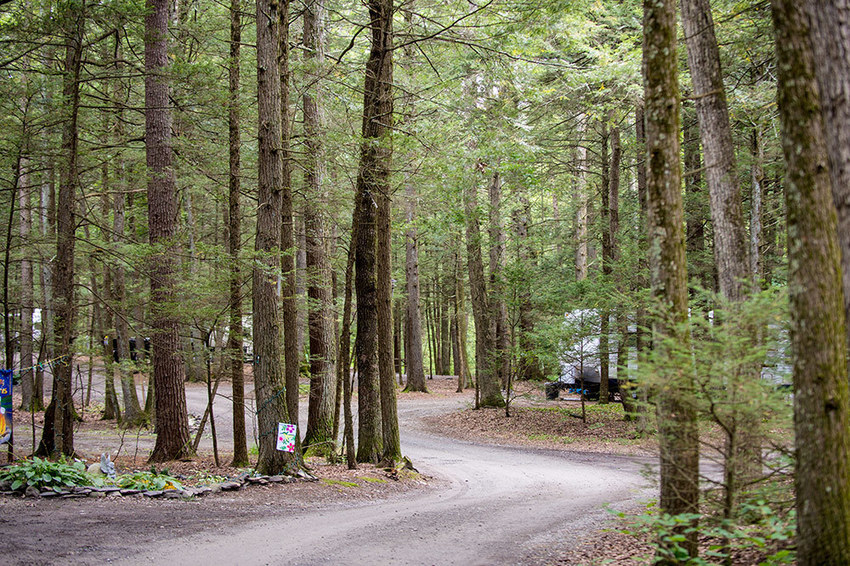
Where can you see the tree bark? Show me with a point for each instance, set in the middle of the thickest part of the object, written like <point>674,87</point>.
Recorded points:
<point>581,206</point>
<point>320,304</point>
<point>269,385</point>
<point>172,422</point>
<point>731,253</point>
<point>607,267</point>
<point>818,338</point>
<point>678,438</point>
<point>133,414</point>
<point>498,306</point>
<point>234,241</point>
<point>373,187</point>
<point>292,343</point>
<point>830,27</point>
<point>530,365</point>
<point>27,288</point>
<point>488,386</point>
<point>63,283</point>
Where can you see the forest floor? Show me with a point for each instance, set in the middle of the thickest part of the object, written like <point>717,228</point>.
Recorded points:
<point>101,530</point>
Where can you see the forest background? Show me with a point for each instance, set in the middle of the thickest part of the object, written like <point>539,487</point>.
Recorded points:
<point>172,171</point>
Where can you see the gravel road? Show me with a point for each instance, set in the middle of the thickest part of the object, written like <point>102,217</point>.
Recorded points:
<point>502,505</point>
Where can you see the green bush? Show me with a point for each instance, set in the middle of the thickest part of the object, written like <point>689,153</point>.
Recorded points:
<point>765,529</point>
<point>44,474</point>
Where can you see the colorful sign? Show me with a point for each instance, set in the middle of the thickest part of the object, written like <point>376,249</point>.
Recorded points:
<point>5,405</point>
<point>286,437</point>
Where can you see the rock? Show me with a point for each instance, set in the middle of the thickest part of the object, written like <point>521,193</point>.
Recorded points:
<point>96,494</point>
<point>276,479</point>
<point>32,492</point>
<point>155,493</point>
<point>114,494</point>
<point>5,485</point>
<point>130,491</point>
<point>172,494</point>
<point>82,490</point>
<point>50,493</point>
<point>215,488</point>
<point>231,486</point>
<point>94,469</point>
<point>305,476</point>
<point>258,480</point>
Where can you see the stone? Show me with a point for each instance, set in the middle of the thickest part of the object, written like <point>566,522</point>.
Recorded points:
<point>231,486</point>
<point>172,494</point>
<point>96,494</point>
<point>32,492</point>
<point>50,493</point>
<point>276,479</point>
<point>82,490</point>
<point>114,494</point>
<point>130,491</point>
<point>154,493</point>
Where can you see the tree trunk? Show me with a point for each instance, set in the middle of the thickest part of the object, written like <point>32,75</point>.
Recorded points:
<point>489,391</point>
<point>460,322</point>
<point>731,254</point>
<point>498,306</point>
<point>731,244</point>
<point>830,27</point>
<point>289,298</point>
<point>756,208</point>
<point>234,241</point>
<point>818,339</point>
<point>344,363</point>
<point>373,187</point>
<point>696,210</point>
<point>172,422</point>
<point>607,267</point>
<point>414,363</point>
<point>63,284</point>
<point>530,365</point>
<point>133,414</point>
<point>27,289</point>
<point>641,344</point>
<point>269,386</point>
<point>320,304</point>
<point>581,206</point>
<point>677,427</point>
<point>389,410</point>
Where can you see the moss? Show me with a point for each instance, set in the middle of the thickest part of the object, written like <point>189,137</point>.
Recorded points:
<point>339,483</point>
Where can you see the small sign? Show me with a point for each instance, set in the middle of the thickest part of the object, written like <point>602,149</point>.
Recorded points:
<point>286,437</point>
<point>5,405</point>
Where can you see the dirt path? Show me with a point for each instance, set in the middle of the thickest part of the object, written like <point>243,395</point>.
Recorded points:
<point>487,505</point>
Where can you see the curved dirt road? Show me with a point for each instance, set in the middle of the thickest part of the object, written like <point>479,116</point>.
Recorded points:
<point>502,506</point>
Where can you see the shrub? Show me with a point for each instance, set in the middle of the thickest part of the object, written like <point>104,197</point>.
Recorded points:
<point>44,474</point>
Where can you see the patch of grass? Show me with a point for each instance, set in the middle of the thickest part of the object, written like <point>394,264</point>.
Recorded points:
<point>609,410</point>
<point>339,482</point>
<point>370,479</point>
<point>254,450</point>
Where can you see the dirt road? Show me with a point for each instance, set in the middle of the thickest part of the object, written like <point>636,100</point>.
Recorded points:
<point>487,505</point>
<point>501,506</point>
